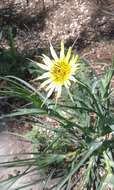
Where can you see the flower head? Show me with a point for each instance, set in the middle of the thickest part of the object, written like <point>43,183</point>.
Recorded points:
<point>60,71</point>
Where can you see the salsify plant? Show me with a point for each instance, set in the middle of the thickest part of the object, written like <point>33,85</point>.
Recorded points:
<point>80,150</point>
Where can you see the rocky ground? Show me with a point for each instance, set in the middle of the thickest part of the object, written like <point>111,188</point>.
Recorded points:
<point>37,22</point>
<point>15,147</point>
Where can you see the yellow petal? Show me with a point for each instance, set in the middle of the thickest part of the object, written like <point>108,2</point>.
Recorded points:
<point>76,58</point>
<point>50,92</point>
<point>58,92</point>
<point>68,54</point>
<point>75,67</point>
<point>72,59</point>
<point>62,50</point>
<point>48,95</point>
<point>45,83</point>
<point>68,82</point>
<point>44,67</point>
<point>66,85</point>
<point>47,60</point>
<point>49,86</point>
<point>53,53</point>
<point>45,75</point>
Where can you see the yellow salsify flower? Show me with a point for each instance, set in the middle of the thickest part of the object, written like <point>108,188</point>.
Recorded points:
<point>60,71</point>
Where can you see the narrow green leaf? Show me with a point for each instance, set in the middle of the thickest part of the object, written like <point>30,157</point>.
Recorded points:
<point>25,111</point>
<point>93,147</point>
<point>48,179</point>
